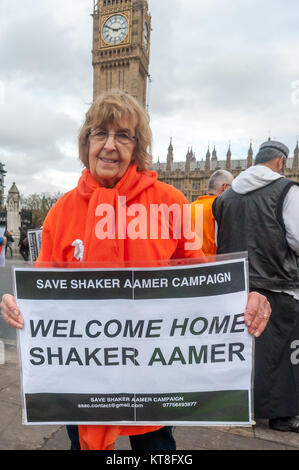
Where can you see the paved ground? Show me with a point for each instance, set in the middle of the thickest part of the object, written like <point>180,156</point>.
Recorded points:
<point>15,436</point>
<point>6,287</point>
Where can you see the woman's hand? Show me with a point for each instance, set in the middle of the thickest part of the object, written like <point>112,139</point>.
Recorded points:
<point>257,314</point>
<point>10,312</point>
<point>256,317</point>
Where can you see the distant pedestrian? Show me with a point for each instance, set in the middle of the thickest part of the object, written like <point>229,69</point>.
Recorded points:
<point>23,243</point>
<point>9,242</point>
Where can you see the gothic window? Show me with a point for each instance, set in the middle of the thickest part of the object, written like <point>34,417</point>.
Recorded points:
<point>196,185</point>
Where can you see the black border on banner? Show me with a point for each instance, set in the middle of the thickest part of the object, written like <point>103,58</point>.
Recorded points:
<point>136,266</point>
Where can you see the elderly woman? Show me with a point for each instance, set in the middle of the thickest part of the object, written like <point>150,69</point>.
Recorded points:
<point>114,145</point>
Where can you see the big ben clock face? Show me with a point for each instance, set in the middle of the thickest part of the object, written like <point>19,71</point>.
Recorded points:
<point>115,29</point>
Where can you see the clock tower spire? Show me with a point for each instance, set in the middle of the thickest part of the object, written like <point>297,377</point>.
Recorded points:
<point>121,47</point>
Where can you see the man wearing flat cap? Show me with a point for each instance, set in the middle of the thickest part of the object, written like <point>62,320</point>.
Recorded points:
<point>260,214</point>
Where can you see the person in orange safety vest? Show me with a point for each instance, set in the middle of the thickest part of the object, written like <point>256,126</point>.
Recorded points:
<point>219,181</point>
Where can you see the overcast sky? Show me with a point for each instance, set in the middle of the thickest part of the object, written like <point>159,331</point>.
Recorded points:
<point>223,71</point>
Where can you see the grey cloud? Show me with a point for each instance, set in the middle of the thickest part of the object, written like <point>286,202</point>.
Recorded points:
<point>43,53</point>
<point>230,69</point>
<point>27,125</point>
<point>31,172</point>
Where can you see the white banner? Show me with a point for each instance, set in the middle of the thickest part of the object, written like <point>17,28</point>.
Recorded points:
<point>136,346</point>
<point>34,241</point>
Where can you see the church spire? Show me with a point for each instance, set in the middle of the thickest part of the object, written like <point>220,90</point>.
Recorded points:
<point>250,155</point>
<point>188,158</point>
<point>228,158</point>
<point>214,154</point>
<point>192,156</point>
<point>208,160</point>
<point>169,156</point>
<point>296,157</point>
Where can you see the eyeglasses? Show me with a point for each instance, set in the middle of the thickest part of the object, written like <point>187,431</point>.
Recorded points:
<point>119,137</point>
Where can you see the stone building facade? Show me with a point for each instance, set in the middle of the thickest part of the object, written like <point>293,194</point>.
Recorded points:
<point>191,176</point>
<point>121,47</point>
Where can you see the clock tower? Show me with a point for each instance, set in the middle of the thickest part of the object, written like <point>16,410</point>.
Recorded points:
<point>121,47</point>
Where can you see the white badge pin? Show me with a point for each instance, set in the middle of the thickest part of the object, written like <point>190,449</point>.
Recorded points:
<point>79,249</point>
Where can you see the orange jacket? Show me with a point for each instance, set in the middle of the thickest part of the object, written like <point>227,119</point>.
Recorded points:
<point>76,215</point>
<point>207,224</point>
